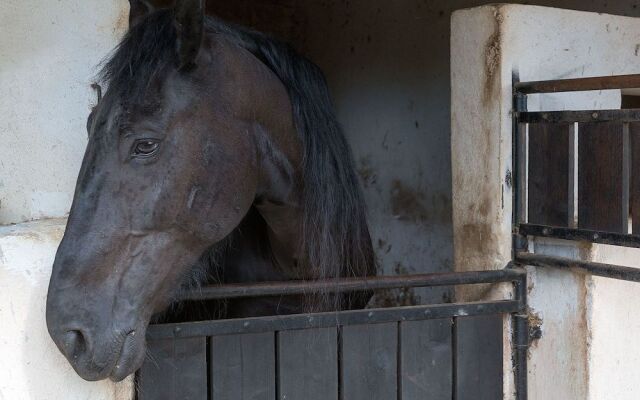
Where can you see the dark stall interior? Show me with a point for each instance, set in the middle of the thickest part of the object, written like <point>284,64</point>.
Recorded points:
<point>387,65</point>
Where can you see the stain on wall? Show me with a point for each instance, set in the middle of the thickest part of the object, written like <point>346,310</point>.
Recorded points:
<point>493,56</point>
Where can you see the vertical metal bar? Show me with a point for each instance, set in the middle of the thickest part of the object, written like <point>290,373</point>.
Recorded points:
<point>520,321</point>
<point>573,177</point>
<point>520,161</point>
<point>626,177</point>
<point>520,339</point>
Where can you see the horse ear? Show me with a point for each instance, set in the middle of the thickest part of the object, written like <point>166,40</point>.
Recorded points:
<point>189,21</point>
<point>137,10</point>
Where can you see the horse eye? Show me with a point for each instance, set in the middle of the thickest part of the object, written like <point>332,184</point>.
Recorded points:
<point>145,148</point>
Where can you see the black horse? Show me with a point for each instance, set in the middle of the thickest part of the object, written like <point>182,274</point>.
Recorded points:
<point>211,143</point>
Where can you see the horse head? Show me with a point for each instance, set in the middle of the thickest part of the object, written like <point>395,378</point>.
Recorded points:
<point>192,132</point>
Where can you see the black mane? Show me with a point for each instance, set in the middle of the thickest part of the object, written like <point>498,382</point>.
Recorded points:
<point>335,235</point>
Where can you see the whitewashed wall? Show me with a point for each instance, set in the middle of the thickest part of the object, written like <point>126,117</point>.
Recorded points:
<point>32,368</point>
<point>48,51</point>
<point>48,54</point>
<point>589,348</point>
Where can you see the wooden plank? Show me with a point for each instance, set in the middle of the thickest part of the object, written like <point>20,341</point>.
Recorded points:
<point>308,364</point>
<point>174,369</point>
<point>600,177</point>
<point>549,174</point>
<point>580,84</point>
<point>426,360</point>
<point>478,358</point>
<point>370,362</point>
<point>626,180</point>
<point>634,195</point>
<point>243,367</point>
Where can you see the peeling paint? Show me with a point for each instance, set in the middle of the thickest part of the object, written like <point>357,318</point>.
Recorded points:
<point>535,328</point>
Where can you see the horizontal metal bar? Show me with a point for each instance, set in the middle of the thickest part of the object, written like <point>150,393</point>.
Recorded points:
<point>579,84</point>
<point>627,115</point>
<point>230,291</point>
<point>604,270</point>
<point>615,239</point>
<point>330,319</point>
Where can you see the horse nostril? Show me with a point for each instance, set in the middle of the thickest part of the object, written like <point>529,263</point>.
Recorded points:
<point>74,344</point>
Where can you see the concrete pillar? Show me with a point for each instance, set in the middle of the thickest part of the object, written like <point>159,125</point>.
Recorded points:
<point>588,323</point>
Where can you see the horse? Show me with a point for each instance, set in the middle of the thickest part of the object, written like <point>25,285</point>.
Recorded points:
<point>214,156</point>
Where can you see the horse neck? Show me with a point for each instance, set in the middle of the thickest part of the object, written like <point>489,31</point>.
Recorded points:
<point>279,200</point>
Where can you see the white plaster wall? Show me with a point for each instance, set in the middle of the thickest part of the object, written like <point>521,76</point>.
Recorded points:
<point>48,51</point>
<point>561,300</point>
<point>590,325</point>
<point>32,368</point>
<point>582,351</point>
<point>615,327</point>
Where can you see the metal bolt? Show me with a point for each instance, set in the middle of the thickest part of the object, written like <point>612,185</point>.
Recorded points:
<point>596,236</point>
<point>546,231</point>
<point>595,115</point>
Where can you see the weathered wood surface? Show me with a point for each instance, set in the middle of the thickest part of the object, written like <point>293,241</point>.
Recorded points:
<point>308,364</point>
<point>478,364</point>
<point>174,369</point>
<point>549,174</point>
<point>634,178</point>
<point>370,362</point>
<point>426,360</point>
<point>243,367</point>
<point>412,359</point>
<point>600,177</point>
